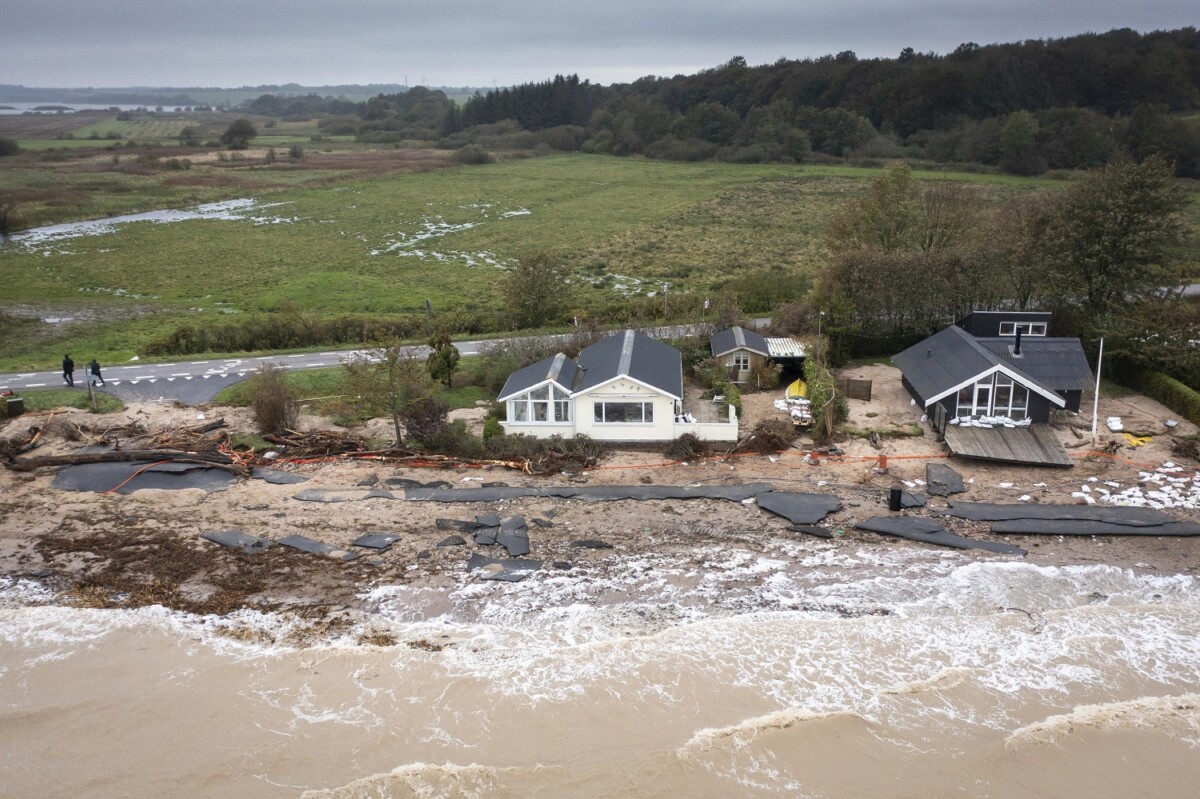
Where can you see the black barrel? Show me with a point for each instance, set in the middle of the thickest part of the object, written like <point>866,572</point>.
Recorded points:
<point>894,499</point>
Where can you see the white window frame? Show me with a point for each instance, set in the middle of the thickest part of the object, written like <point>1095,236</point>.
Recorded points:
<point>1027,328</point>
<point>549,401</point>
<point>741,361</point>
<point>1016,408</point>
<point>600,411</point>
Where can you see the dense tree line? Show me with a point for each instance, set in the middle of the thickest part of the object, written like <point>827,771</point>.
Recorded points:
<point>1026,107</point>
<point>910,258</point>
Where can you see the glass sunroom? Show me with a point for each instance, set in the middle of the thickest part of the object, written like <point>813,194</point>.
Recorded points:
<point>547,403</point>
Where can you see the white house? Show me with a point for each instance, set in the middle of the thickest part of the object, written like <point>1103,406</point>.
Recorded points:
<point>627,387</point>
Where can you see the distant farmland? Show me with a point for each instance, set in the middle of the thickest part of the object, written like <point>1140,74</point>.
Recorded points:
<point>385,245</point>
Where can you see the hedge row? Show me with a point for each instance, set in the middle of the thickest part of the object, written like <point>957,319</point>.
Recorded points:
<point>1177,396</point>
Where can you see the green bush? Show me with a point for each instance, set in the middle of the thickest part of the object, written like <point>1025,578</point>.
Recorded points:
<point>272,400</point>
<point>471,154</point>
<point>1177,396</point>
<point>492,428</point>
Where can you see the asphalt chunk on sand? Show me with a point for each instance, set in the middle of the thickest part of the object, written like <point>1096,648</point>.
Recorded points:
<point>928,531</point>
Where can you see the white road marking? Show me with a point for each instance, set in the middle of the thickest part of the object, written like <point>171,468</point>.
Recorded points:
<point>200,363</point>
<point>314,364</point>
<point>35,385</point>
<point>299,355</point>
<point>27,374</point>
<point>131,367</point>
<point>263,358</point>
<point>180,374</point>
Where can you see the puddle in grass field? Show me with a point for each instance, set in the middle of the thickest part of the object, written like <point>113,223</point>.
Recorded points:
<point>433,227</point>
<point>44,239</point>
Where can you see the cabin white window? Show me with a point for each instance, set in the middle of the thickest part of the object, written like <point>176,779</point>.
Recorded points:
<point>545,404</point>
<point>997,395</point>
<point>741,361</point>
<point>1026,328</point>
<point>1012,399</point>
<point>623,412</point>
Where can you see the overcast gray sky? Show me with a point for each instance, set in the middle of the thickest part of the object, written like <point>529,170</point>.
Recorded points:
<point>229,43</point>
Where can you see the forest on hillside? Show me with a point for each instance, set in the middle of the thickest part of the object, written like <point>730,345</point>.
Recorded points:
<point>1024,108</point>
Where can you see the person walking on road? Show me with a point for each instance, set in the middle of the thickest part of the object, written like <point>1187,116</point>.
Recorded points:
<point>68,371</point>
<point>94,366</point>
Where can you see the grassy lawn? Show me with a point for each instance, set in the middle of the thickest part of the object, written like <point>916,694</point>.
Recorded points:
<point>46,399</point>
<point>324,387</point>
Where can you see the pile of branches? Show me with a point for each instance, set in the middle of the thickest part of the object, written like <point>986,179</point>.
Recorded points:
<point>1187,447</point>
<point>321,444</point>
<point>769,435</point>
<point>687,447</point>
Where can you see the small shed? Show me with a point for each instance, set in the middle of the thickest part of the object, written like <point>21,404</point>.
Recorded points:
<point>740,351</point>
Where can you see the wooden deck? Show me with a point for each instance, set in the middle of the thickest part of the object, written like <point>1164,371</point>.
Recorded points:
<point>1035,445</point>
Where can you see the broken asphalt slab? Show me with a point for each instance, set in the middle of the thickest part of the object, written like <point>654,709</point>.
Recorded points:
<point>237,539</point>
<point>453,541</point>
<point>595,493</point>
<point>1110,514</point>
<point>807,529</point>
<point>277,476</point>
<point>341,495</point>
<point>375,541</point>
<point>1081,527</point>
<point>514,536</point>
<point>314,547</point>
<point>509,570</point>
<point>942,481</point>
<point>129,476</point>
<point>928,531</point>
<point>799,508</point>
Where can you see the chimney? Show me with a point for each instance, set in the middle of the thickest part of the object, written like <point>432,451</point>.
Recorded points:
<point>1017,346</point>
<point>929,352</point>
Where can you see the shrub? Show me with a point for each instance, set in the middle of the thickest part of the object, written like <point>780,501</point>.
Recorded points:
<point>492,429</point>
<point>455,439</point>
<point>471,154</point>
<point>1177,396</point>
<point>9,146</point>
<point>424,419</point>
<point>273,400</point>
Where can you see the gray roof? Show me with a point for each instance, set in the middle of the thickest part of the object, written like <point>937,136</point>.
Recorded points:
<point>559,368</point>
<point>737,338</point>
<point>634,355</point>
<point>945,359</point>
<point>1058,363</point>
<point>952,357</point>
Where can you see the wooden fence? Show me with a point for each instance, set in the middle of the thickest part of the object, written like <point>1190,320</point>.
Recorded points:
<point>855,389</point>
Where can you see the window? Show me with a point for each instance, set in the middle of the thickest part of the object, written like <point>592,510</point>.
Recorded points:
<point>741,361</point>
<point>997,395</point>
<point>623,412</point>
<point>543,404</point>
<point>1027,328</point>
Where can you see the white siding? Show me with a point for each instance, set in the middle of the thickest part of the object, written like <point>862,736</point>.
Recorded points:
<point>661,429</point>
<point>539,429</point>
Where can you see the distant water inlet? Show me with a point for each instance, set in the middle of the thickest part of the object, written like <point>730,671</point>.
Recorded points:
<point>880,675</point>
<point>247,210</point>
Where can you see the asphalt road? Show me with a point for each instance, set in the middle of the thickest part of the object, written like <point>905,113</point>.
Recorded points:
<point>196,382</point>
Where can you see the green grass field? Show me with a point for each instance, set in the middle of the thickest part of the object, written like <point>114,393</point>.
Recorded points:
<point>384,245</point>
